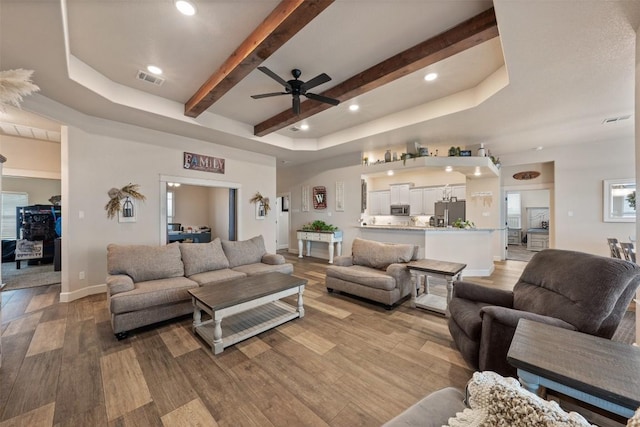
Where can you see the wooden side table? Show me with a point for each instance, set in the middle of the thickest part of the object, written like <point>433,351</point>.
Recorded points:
<point>595,370</point>
<point>424,268</point>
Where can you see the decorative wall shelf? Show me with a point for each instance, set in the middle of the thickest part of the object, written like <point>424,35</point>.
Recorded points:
<point>464,165</point>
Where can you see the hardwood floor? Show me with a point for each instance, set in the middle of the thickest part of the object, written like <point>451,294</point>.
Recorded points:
<point>348,362</point>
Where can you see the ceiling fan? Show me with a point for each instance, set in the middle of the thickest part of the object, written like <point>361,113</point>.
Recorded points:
<point>296,87</point>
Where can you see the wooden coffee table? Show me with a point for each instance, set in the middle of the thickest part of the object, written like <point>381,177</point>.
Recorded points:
<point>595,370</point>
<point>248,305</point>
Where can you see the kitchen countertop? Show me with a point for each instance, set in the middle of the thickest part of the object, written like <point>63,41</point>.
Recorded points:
<point>420,228</point>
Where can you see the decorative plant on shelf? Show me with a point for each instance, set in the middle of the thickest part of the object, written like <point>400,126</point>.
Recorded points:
<point>258,198</point>
<point>116,196</point>
<point>631,199</point>
<point>319,225</point>
<point>459,223</point>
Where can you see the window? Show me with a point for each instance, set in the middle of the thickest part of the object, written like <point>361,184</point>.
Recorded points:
<point>10,201</point>
<point>170,206</point>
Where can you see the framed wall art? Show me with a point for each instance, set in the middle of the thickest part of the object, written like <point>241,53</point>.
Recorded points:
<point>340,196</point>
<point>319,198</point>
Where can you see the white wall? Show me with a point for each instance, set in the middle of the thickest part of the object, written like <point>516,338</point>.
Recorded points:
<point>219,212</point>
<point>93,162</point>
<point>30,158</point>
<point>577,196</point>
<point>191,205</point>
<point>39,190</point>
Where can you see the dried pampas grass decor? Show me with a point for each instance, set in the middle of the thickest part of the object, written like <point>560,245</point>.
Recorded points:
<point>115,195</point>
<point>14,84</point>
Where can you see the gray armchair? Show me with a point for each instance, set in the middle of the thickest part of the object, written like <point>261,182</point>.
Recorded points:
<point>572,290</point>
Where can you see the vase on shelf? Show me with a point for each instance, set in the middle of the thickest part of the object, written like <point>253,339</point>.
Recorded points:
<point>387,156</point>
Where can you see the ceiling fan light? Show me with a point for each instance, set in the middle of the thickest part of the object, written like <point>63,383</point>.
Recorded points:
<point>431,77</point>
<point>185,7</point>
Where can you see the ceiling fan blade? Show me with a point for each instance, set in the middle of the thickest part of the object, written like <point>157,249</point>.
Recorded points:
<point>275,77</point>
<point>296,105</point>
<point>316,81</point>
<point>266,95</point>
<point>322,98</point>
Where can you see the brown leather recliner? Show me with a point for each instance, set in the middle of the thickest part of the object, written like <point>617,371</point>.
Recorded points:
<point>574,290</point>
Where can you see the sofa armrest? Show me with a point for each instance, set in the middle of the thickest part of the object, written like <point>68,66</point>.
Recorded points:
<point>343,261</point>
<point>272,259</point>
<point>402,274</point>
<point>510,317</point>
<point>434,410</point>
<point>118,283</point>
<point>475,292</point>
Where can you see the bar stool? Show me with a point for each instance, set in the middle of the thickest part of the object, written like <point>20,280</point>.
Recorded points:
<point>614,248</point>
<point>628,251</point>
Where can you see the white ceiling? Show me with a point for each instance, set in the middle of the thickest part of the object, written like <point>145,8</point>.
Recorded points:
<point>567,65</point>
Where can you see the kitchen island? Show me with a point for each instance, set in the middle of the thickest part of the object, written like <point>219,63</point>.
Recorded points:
<point>467,246</point>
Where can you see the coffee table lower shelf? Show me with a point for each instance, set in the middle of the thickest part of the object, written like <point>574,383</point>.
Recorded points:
<point>246,324</point>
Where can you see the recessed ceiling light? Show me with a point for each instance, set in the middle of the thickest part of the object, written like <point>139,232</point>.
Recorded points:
<point>153,69</point>
<point>477,172</point>
<point>186,7</point>
<point>538,148</point>
<point>304,126</point>
<point>354,107</point>
<point>431,77</point>
<point>448,169</point>
<point>390,173</point>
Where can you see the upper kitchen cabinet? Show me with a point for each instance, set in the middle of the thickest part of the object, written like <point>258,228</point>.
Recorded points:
<point>379,202</point>
<point>400,194</point>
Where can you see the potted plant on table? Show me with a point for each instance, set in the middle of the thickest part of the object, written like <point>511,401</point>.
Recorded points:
<point>319,225</point>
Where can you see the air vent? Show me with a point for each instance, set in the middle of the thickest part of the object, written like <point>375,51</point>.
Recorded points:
<point>150,78</point>
<point>616,119</point>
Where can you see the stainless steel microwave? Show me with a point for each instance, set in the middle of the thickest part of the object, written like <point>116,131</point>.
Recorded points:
<point>400,210</point>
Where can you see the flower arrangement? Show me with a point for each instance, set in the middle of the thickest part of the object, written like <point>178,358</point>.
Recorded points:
<point>115,196</point>
<point>258,198</point>
<point>319,225</point>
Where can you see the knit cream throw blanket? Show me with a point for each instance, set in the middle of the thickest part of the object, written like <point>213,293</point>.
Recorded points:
<point>494,400</point>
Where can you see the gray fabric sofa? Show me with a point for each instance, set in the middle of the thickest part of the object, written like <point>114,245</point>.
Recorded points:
<point>375,270</point>
<point>148,284</point>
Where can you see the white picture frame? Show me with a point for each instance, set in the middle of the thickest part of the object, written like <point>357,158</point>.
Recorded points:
<point>305,198</point>
<point>339,196</point>
<point>616,207</point>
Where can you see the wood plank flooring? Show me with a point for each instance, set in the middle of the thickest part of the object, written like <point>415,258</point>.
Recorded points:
<point>348,362</point>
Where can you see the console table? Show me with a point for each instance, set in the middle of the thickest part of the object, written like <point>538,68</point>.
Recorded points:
<point>329,237</point>
<point>595,370</point>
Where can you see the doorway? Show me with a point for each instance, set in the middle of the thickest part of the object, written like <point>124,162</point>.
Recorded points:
<point>283,221</point>
<point>527,212</point>
<point>198,210</point>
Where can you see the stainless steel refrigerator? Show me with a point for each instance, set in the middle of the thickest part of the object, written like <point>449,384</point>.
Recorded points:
<point>448,212</point>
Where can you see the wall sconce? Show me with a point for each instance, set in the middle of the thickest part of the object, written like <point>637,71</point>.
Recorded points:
<point>127,208</point>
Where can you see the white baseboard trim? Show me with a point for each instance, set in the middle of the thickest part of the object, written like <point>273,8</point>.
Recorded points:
<point>81,293</point>
<point>478,272</point>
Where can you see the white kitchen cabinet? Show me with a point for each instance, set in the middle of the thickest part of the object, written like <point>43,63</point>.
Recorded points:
<point>429,198</point>
<point>379,202</point>
<point>459,192</point>
<point>399,194</point>
<point>415,201</point>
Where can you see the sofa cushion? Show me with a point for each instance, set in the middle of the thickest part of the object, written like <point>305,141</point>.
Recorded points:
<point>261,268</point>
<point>379,255</point>
<point>201,257</point>
<point>245,251</point>
<point>366,276</point>
<point>152,293</point>
<point>215,276</point>
<point>145,262</point>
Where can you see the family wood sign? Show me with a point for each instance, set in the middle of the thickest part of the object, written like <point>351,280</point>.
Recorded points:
<point>199,162</point>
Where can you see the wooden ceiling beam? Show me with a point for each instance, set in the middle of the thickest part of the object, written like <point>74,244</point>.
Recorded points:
<point>289,17</point>
<point>470,33</point>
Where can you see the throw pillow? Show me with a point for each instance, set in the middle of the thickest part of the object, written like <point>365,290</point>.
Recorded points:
<point>201,257</point>
<point>244,252</point>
